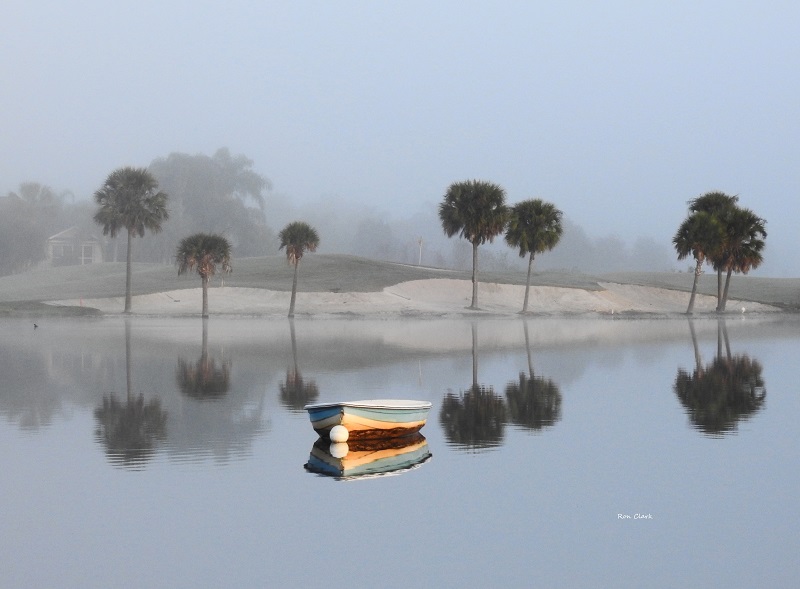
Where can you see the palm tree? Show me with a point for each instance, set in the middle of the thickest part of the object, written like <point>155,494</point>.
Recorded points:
<point>129,199</point>
<point>203,251</point>
<point>700,235</point>
<point>718,205</point>
<point>297,237</point>
<point>745,233</point>
<point>534,226</point>
<point>475,210</point>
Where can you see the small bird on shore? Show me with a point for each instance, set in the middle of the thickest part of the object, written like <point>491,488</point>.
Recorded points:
<point>35,326</point>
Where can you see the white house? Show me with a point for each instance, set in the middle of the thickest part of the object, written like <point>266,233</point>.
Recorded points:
<point>72,246</point>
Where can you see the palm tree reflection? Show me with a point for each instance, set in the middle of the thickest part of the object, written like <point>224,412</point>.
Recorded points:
<point>204,379</point>
<point>130,431</point>
<point>474,419</point>
<point>296,392</point>
<point>720,394</point>
<point>533,402</point>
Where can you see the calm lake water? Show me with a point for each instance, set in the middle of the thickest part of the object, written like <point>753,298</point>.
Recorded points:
<point>166,453</point>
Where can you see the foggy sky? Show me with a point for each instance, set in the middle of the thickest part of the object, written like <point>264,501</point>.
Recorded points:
<point>618,112</point>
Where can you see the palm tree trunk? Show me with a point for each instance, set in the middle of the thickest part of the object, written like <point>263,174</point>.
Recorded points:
<point>527,284</point>
<point>128,271</point>
<point>719,290</point>
<point>727,285</point>
<point>204,278</point>
<point>474,304</point>
<point>697,271</point>
<point>294,290</point>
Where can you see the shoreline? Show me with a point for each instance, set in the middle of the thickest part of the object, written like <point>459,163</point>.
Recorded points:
<point>439,298</point>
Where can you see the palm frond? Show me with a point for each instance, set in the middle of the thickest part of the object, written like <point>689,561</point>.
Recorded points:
<point>205,252</point>
<point>534,226</point>
<point>298,237</point>
<point>130,199</point>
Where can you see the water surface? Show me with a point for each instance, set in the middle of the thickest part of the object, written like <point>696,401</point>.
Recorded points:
<point>171,453</point>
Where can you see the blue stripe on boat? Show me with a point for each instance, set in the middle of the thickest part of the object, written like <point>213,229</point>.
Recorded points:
<point>323,412</point>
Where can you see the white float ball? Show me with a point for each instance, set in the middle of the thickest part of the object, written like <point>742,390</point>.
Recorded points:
<point>339,433</point>
<point>339,450</point>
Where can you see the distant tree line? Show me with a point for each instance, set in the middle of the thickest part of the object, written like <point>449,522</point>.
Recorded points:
<point>366,232</point>
<point>219,194</point>
<point>222,195</point>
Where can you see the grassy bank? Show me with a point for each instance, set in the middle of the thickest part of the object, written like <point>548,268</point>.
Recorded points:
<point>23,293</point>
<point>33,309</point>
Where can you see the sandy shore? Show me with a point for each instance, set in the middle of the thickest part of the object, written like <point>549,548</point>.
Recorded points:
<point>422,298</point>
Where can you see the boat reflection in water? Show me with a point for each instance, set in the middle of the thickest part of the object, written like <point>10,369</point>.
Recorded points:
<point>360,459</point>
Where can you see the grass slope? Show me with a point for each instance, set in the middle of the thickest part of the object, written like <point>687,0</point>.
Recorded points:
<point>325,273</point>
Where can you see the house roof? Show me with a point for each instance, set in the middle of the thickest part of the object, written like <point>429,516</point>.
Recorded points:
<point>73,233</point>
<point>9,198</point>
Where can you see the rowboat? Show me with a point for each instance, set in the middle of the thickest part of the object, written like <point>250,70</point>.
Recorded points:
<point>368,458</point>
<point>381,418</point>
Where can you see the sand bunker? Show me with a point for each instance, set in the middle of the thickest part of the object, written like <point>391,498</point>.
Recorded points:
<point>434,297</point>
